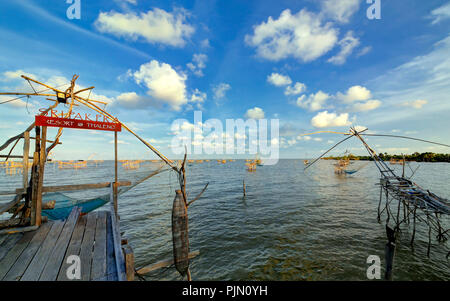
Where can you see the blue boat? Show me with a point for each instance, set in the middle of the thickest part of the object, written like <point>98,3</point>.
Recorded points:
<point>64,205</point>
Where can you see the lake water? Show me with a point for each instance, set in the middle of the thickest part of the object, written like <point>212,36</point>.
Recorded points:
<point>292,225</point>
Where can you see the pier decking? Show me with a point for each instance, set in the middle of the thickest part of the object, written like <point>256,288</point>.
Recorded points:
<point>42,254</point>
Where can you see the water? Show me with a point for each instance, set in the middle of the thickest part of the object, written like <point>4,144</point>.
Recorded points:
<point>292,225</point>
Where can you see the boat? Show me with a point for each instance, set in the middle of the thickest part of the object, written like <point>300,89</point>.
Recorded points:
<point>64,205</point>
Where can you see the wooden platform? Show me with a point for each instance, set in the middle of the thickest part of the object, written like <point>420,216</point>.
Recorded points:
<point>41,255</point>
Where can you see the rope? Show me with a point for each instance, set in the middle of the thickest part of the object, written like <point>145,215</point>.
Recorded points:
<point>9,100</point>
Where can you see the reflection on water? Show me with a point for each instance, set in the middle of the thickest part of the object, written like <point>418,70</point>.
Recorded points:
<point>292,225</point>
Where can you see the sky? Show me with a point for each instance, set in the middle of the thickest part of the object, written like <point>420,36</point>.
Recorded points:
<point>313,65</point>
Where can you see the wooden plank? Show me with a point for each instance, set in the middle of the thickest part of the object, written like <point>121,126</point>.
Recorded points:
<point>87,246</point>
<point>162,264</point>
<point>129,261</point>
<point>98,270</point>
<point>27,255</point>
<point>9,242</point>
<point>73,187</point>
<point>35,267</point>
<point>74,247</point>
<point>54,263</point>
<point>111,269</point>
<point>10,258</point>
<point>120,260</point>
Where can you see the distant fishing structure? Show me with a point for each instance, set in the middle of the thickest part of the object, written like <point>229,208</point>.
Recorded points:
<point>28,215</point>
<point>410,201</point>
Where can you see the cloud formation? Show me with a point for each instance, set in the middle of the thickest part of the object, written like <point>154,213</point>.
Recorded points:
<point>341,10</point>
<point>163,82</point>
<point>313,102</point>
<point>279,80</point>
<point>220,90</point>
<point>348,43</point>
<point>154,26</point>
<point>325,119</point>
<point>416,104</point>
<point>301,36</point>
<point>255,113</point>
<point>198,64</point>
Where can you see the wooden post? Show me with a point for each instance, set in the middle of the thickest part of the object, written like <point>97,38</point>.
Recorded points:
<point>243,184</point>
<point>389,252</point>
<point>35,175</point>
<point>129,261</point>
<point>115,174</point>
<point>26,150</point>
<point>42,159</point>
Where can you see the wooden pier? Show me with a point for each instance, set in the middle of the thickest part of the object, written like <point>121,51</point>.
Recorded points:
<point>42,254</point>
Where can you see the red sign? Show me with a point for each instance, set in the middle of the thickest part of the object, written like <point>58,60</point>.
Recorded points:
<point>77,124</point>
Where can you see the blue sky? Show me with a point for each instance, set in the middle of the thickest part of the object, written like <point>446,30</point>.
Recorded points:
<point>313,64</point>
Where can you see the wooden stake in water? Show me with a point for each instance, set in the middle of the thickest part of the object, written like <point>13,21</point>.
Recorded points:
<point>389,252</point>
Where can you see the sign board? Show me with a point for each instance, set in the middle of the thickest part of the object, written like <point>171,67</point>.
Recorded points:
<point>77,124</point>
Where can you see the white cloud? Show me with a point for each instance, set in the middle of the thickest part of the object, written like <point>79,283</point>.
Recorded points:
<point>348,43</point>
<point>366,106</point>
<point>301,36</point>
<point>298,88</point>
<point>416,104</point>
<point>163,83</point>
<point>129,99</point>
<point>441,13</point>
<point>313,102</point>
<point>198,96</point>
<point>205,43</point>
<point>220,90</point>
<point>154,26</point>
<point>198,64</point>
<point>341,10</point>
<point>364,51</point>
<point>325,119</point>
<point>255,113</point>
<point>279,80</point>
<point>355,93</point>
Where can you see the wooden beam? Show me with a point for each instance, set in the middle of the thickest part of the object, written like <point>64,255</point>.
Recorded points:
<point>72,187</point>
<point>129,261</point>
<point>18,230</point>
<point>163,264</point>
<point>42,158</point>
